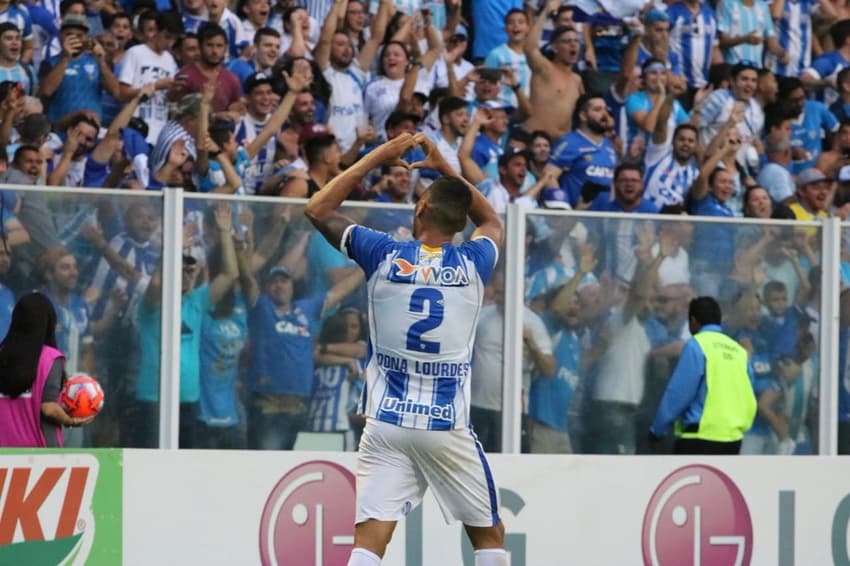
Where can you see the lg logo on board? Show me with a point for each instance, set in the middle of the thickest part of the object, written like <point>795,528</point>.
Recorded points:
<point>308,518</point>
<point>697,512</point>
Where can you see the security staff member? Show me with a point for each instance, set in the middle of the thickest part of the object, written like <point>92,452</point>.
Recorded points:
<point>709,397</point>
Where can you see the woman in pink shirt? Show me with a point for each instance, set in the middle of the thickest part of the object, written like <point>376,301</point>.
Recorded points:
<point>32,372</point>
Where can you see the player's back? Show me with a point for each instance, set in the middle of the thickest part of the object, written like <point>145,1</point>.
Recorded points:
<point>424,305</point>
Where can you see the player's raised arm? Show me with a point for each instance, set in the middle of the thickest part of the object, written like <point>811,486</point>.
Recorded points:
<point>322,207</point>
<point>486,220</point>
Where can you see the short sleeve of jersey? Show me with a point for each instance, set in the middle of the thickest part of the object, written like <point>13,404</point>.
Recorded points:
<point>484,254</point>
<point>564,154</point>
<point>822,67</point>
<point>681,114</point>
<point>637,102</point>
<point>365,246</point>
<point>828,120</point>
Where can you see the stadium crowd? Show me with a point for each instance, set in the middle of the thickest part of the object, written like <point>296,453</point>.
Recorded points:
<point>683,109</point>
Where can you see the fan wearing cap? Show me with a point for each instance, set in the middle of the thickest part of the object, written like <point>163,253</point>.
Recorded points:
<point>282,362</point>
<point>554,86</point>
<point>223,178</point>
<point>347,71</point>
<point>73,79</point>
<point>259,103</point>
<point>745,28</point>
<point>322,154</point>
<point>195,301</point>
<point>813,195</point>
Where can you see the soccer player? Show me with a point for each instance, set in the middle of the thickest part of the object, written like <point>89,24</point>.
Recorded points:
<point>417,378</point>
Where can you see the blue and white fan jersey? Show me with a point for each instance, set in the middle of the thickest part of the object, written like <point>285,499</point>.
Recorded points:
<point>424,305</point>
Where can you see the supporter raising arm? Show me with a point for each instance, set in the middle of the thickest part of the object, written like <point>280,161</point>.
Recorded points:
<point>554,86</point>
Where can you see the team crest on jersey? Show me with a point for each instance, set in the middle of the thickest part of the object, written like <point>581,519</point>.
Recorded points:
<point>446,276</point>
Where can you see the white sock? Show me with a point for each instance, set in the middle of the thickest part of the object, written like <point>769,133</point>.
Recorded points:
<point>363,557</point>
<point>491,557</point>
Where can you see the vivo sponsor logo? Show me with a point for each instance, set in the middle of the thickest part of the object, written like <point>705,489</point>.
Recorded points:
<point>446,276</point>
<point>395,405</point>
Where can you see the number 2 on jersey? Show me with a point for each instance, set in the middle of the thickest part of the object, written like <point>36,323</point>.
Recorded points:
<point>429,301</point>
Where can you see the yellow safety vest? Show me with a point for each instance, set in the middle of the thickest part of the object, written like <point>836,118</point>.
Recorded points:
<point>730,403</point>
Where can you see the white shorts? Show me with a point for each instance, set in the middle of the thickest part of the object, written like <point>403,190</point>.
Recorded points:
<point>396,465</point>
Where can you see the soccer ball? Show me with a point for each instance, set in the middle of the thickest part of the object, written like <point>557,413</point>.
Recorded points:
<point>81,396</point>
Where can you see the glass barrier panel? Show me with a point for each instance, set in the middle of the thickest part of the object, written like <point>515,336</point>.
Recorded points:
<point>283,332</point>
<point>843,337</point>
<point>606,319</point>
<point>93,255</point>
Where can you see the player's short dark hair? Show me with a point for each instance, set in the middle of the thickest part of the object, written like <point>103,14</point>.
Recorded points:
<point>448,200</point>
<point>705,310</point>
<point>210,30</point>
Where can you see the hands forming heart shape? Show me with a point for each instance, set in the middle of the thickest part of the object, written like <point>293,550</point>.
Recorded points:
<point>394,149</point>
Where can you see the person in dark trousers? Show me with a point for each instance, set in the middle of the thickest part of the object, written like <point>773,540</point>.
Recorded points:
<point>709,399</point>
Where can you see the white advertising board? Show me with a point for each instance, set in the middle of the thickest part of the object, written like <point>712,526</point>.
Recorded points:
<point>294,509</point>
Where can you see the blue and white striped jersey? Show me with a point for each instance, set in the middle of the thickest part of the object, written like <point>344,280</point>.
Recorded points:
<point>692,38</point>
<point>666,180</point>
<point>331,401</point>
<point>736,19</point>
<point>794,32</point>
<point>424,305</point>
